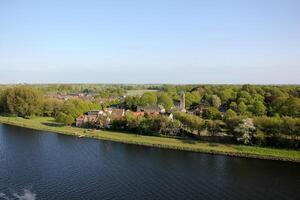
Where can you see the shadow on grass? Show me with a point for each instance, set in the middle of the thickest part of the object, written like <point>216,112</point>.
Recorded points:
<point>187,141</point>
<point>191,141</point>
<point>52,124</point>
<point>213,145</point>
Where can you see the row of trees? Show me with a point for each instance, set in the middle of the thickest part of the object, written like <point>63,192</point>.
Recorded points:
<point>149,99</point>
<point>26,101</point>
<point>243,128</point>
<point>22,101</point>
<point>244,100</point>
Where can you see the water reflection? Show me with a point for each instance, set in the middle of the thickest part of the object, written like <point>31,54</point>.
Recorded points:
<point>64,167</point>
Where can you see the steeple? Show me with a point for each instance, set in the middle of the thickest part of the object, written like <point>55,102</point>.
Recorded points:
<point>182,101</point>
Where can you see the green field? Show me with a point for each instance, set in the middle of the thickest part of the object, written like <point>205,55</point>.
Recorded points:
<point>48,124</point>
<point>138,92</point>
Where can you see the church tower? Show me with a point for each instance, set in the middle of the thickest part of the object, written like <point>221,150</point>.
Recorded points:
<point>182,101</point>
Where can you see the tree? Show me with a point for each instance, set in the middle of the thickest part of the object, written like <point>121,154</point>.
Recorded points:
<point>192,98</point>
<point>190,122</point>
<point>227,94</point>
<point>271,126</point>
<point>148,98</point>
<point>131,102</point>
<point>165,100</point>
<point>242,108</point>
<point>230,114</point>
<point>292,107</point>
<point>245,131</point>
<point>216,101</point>
<point>65,119</point>
<point>211,113</point>
<point>258,108</point>
<point>244,96</point>
<point>1,103</point>
<point>291,126</point>
<point>213,126</point>
<point>22,101</point>
<point>51,107</point>
<point>74,108</point>
<point>233,106</point>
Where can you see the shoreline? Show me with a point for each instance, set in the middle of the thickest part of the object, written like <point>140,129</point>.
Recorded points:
<point>266,153</point>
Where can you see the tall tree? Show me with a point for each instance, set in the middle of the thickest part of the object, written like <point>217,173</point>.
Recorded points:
<point>22,101</point>
<point>165,101</point>
<point>148,98</point>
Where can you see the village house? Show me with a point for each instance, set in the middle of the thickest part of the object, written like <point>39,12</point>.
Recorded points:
<point>107,115</point>
<point>90,116</point>
<point>152,110</point>
<point>199,109</point>
<point>137,114</point>
<point>100,118</point>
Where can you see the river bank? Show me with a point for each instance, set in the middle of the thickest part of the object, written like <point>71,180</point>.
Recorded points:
<point>48,124</point>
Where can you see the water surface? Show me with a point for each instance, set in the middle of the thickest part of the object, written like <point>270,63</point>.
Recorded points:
<point>54,166</point>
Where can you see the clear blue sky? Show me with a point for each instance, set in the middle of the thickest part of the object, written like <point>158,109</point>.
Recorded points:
<point>157,41</point>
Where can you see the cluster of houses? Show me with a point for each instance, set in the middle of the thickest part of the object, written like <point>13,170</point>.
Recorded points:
<point>103,118</point>
<point>65,97</point>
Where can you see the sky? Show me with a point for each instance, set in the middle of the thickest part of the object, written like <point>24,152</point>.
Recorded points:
<point>157,41</point>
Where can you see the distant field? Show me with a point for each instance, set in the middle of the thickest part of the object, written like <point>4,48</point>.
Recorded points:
<point>138,92</point>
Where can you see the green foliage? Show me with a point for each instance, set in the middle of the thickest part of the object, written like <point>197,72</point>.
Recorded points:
<point>216,101</point>
<point>192,98</point>
<point>212,113</point>
<point>131,102</point>
<point>258,108</point>
<point>274,126</point>
<point>291,107</point>
<point>291,126</point>
<point>147,99</point>
<point>190,122</point>
<point>226,94</point>
<point>166,101</point>
<point>22,101</point>
<point>74,108</point>
<point>51,107</point>
<point>65,119</point>
<point>242,108</point>
<point>271,126</point>
<point>260,137</point>
<point>230,114</point>
<point>233,106</point>
<point>214,126</point>
<point>232,123</point>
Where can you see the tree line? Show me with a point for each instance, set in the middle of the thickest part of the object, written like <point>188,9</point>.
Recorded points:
<point>24,101</point>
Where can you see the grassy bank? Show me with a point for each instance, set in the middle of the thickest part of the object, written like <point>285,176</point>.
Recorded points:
<point>47,124</point>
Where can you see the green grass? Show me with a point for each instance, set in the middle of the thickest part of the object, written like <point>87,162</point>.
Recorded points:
<point>138,92</point>
<point>48,124</point>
